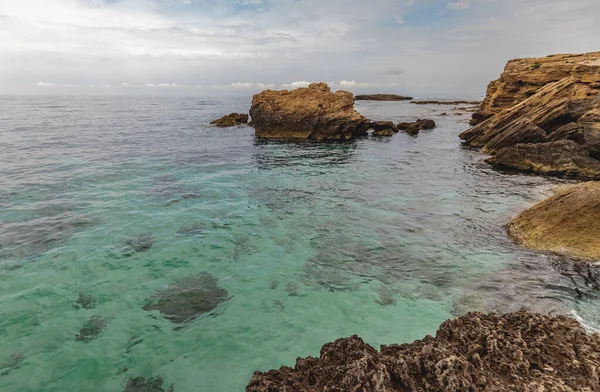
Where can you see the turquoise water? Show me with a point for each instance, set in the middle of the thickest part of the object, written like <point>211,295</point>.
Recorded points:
<point>114,199</point>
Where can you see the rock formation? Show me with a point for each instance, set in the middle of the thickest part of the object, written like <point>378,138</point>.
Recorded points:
<point>553,99</point>
<point>523,78</point>
<point>312,113</point>
<point>413,128</point>
<point>230,120</point>
<point>567,223</point>
<point>383,128</point>
<point>515,352</point>
<point>382,97</point>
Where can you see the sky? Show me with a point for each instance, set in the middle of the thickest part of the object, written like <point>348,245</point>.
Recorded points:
<point>425,48</point>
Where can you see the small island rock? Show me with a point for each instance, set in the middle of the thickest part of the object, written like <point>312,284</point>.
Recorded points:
<point>231,120</point>
<point>413,128</point>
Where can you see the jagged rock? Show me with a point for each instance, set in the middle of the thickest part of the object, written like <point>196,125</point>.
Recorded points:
<point>589,123</point>
<point>140,384</point>
<point>571,131</point>
<point>231,120</point>
<point>313,113</point>
<point>188,298</point>
<point>383,128</point>
<point>382,97</point>
<point>523,78</point>
<point>567,223</point>
<point>414,127</point>
<point>515,352</point>
<point>91,329</point>
<point>522,131</point>
<point>564,157</point>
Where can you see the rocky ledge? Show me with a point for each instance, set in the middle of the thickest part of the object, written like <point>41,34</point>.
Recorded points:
<point>312,113</point>
<point>543,115</point>
<point>515,352</point>
<point>567,223</point>
<point>382,97</point>
<point>230,120</point>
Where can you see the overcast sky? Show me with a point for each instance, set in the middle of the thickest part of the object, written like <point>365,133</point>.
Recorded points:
<point>426,48</point>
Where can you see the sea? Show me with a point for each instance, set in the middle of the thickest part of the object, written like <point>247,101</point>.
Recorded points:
<point>107,202</point>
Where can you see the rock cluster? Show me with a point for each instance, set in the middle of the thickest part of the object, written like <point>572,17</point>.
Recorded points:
<point>382,97</point>
<point>515,352</point>
<point>413,128</point>
<point>383,128</point>
<point>312,113</point>
<point>567,223</point>
<point>231,120</point>
<point>543,115</point>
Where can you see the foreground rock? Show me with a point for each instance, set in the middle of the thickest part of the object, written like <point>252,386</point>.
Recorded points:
<point>413,128</point>
<point>516,352</point>
<point>567,223</point>
<point>523,78</point>
<point>188,298</point>
<point>567,109</point>
<point>312,113</point>
<point>231,120</point>
<point>382,97</point>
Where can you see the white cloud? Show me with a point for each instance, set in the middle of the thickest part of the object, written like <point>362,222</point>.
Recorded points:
<point>242,85</point>
<point>44,84</point>
<point>459,5</point>
<point>297,84</point>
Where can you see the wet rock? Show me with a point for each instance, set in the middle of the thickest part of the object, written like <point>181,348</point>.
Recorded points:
<point>140,384</point>
<point>188,298</point>
<point>191,230</point>
<point>385,296</point>
<point>137,244</point>
<point>571,131</point>
<point>415,127</point>
<point>515,352</point>
<point>85,301</point>
<point>523,78</point>
<point>382,97</point>
<point>231,120</point>
<point>522,131</point>
<point>13,362</point>
<point>565,158</point>
<point>313,113</point>
<point>383,128</point>
<point>91,329</point>
<point>567,223</point>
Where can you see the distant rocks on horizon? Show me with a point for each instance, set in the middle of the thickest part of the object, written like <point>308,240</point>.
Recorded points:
<point>382,97</point>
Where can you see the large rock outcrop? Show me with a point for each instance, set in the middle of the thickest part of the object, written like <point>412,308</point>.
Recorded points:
<point>523,78</point>
<point>567,223</point>
<point>515,352</point>
<point>566,109</point>
<point>312,113</point>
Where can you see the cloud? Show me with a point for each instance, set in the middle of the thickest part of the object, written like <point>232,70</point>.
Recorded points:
<point>242,85</point>
<point>297,84</point>
<point>459,5</point>
<point>44,84</point>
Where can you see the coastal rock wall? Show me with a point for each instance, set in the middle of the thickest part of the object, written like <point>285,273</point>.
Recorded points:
<point>515,352</point>
<point>313,113</point>
<point>523,78</point>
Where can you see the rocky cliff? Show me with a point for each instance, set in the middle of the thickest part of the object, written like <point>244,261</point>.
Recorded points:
<point>515,352</point>
<point>529,106</point>
<point>313,113</point>
<point>522,78</point>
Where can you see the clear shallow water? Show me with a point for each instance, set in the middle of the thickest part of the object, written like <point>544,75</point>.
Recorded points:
<point>385,238</point>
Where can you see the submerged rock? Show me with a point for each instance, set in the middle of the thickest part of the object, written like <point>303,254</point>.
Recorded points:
<point>13,362</point>
<point>231,120</point>
<point>191,230</point>
<point>413,128</point>
<point>312,113</point>
<point>137,244</point>
<point>515,352</point>
<point>85,301</point>
<point>188,298</point>
<point>91,329</point>
<point>564,157</point>
<point>567,223</point>
<point>140,384</point>
<point>382,97</point>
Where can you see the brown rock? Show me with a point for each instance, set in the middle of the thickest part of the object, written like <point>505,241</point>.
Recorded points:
<point>313,113</point>
<point>523,78</point>
<point>567,223</point>
<point>381,126</point>
<point>589,123</point>
<point>415,127</point>
<point>231,120</point>
<point>382,97</point>
<point>522,131</point>
<point>571,131</point>
<point>564,157</point>
<point>515,352</point>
